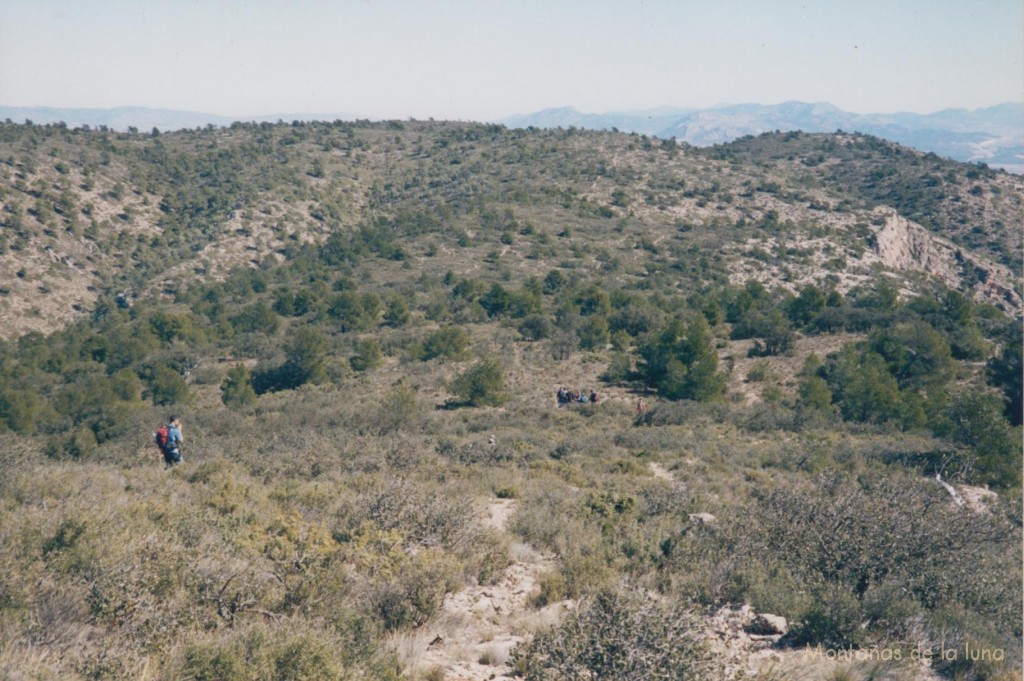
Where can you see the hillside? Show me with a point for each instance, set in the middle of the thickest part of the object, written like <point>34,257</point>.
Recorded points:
<point>364,326</point>
<point>92,212</point>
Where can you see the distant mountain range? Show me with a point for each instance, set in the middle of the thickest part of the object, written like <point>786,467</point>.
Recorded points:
<point>993,135</point>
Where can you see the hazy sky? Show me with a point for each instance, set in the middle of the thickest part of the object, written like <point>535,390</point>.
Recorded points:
<point>483,59</point>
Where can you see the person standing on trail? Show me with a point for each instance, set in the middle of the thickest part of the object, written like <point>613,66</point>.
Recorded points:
<point>173,443</point>
<point>641,407</point>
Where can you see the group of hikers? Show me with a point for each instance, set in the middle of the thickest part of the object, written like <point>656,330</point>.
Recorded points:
<point>567,396</point>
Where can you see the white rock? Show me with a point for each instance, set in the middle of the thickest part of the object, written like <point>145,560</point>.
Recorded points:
<point>769,625</point>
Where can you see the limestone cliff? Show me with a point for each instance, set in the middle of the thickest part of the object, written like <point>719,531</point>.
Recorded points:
<point>907,246</point>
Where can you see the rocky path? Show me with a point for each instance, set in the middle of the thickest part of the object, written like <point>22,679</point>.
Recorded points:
<point>660,472</point>
<point>472,636</point>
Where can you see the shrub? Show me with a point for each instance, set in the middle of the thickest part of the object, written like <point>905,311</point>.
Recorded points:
<point>761,371</point>
<point>618,635</point>
<point>886,551</point>
<point>305,363</point>
<point>166,386</point>
<point>423,517</point>
<point>256,318</point>
<point>593,333</point>
<point>802,309</point>
<point>450,342</point>
<point>353,311</point>
<point>483,384</point>
<point>563,344</point>
<point>553,281</point>
<point>636,318</point>
<point>368,355</point>
<point>975,420</point>
<point>490,557</point>
<point>261,652</point>
<point>396,411</point>
<point>813,395</point>
<point>396,311</point>
<point>772,328</point>
<point>496,301</point>
<point>619,369</point>
<point>768,416</point>
<point>415,592</point>
<point>535,327</point>
<point>684,412</point>
<point>236,390</point>
<point>20,409</point>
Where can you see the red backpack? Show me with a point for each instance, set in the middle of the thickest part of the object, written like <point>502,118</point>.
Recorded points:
<point>160,437</point>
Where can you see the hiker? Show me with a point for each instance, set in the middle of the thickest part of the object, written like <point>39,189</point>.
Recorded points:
<point>641,407</point>
<point>582,399</point>
<point>169,439</point>
<point>593,397</point>
<point>561,396</point>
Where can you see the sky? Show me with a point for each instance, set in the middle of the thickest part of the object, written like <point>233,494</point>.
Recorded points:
<point>485,59</point>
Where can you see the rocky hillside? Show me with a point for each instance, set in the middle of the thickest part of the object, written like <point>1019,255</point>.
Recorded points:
<point>793,447</point>
<point>87,213</point>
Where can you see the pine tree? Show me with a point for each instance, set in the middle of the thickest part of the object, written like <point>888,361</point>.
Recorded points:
<point>236,390</point>
<point>681,363</point>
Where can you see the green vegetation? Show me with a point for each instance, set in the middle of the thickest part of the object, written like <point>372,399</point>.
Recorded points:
<point>363,327</point>
<point>680,363</point>
<point>483,384</point>
<point>618,635</point>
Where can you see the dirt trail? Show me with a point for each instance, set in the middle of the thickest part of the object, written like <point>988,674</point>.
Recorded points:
<point>470,639</point>
<point>661,472</point>
<point>473,634</point>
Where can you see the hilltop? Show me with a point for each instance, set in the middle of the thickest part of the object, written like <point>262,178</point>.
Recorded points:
<point>990,135</point>
<point>364,326</point>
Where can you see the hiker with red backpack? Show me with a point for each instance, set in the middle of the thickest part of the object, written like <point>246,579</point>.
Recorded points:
<point>168,438</point>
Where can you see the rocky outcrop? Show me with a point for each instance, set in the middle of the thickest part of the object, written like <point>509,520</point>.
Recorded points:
<point>904,245</point>
<point>907,246</point>
<point>769,625</point>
